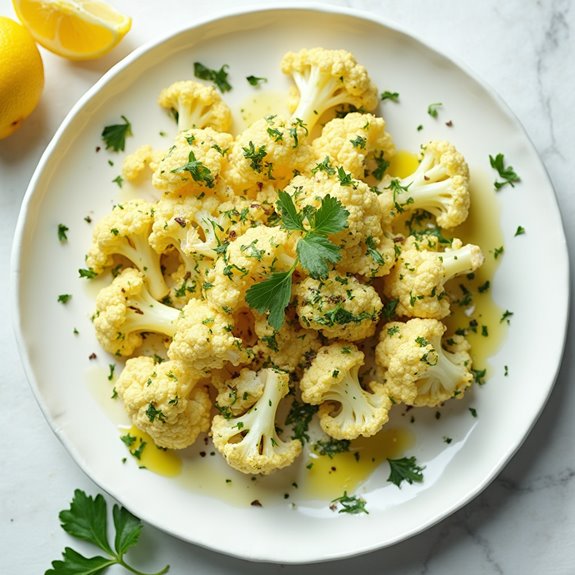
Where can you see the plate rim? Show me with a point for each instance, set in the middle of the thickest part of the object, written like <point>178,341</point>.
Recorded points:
<point>31,195</point>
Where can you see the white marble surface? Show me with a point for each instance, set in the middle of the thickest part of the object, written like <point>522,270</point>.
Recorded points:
<point>524,523</point>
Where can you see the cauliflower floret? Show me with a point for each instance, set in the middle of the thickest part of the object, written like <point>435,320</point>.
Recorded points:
<point>439,185</point>
<point>347,410</point>
<point>196,105</point>
<point>250,443</point>
<point>124,232</point>
<point>417,280</point>
<point>203,338</point>
<point>367,247</point>
<point>289,348</point>
<point>248,260</point>
<point>186,284</point>
<point>240,214</point>
<point>165,400</point>
<point>140,163</point>
<point>271,150</point>
<point>125,309</point>
<point>417,369</point>
<point>187,224</point>
<point>358,143</point>
<point>339,306</point>
<point>194,163</point>
<point>238,394</point>
<point>325,79</point>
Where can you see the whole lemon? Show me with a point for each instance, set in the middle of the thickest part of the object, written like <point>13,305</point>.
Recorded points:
<point>21,75</point>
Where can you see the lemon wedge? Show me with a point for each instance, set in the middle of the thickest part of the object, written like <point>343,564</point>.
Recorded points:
<point>73,29</point>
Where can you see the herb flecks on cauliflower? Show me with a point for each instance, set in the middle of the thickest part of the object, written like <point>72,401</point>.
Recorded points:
<point>196,105</point>
<point>347,410</point>
<point>165,400</point>
<point>417,282</point>
<point>439,185</point>
<point>125,309</point>
<point>326,79</point>
<point>124,232</point>
<point>418,369</point>
<point>339,306</point>
<point>359,143</point>
<point>250,442</point>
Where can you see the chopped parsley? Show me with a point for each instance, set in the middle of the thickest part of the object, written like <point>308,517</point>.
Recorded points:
<point>114,136</point>
<point>391,96</point>
<point>199,171</point>
<point>64,298</point>
<point>63,232</point>
<point>331,447</point>
<point>405,469</point>
<point>314,252</point>
<point>256,81</point>
<point>299,417</point>
<point>87,273</point>
<point>433,109</point>
<point>506,173</point>
<point>350,504</point>
<point>218,77</point>
<point>519,231</point>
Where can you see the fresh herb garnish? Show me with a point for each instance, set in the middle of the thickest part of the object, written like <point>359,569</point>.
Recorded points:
<point>331,447</point>
<point>387,95</point>
<point>314,252</point>
<point>87,519</point>
<point>350,504</point>
<point>299,417</point>
<point>255,155</point>
<point>519,231</point>
<point>199,171</point>
<point>256,80</point>
<point>114,136</point>
<point>218,77</point>
<point>507,173</point>
<point>87,273</point>
<point>433,109</point>
<point>404,469</point>
<point>63,232</point>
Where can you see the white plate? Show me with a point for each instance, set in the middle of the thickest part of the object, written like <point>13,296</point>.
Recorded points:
<point>73,181</point>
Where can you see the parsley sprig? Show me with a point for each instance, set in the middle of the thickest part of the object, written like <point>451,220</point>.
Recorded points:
<point>315,252</point>
<point>197,169</point>
<point>350,504</point>
<point>404,469</point>
<point>114,136</point>
<point>87,519</point>
<point>218,77</point>
<point>506,173</point>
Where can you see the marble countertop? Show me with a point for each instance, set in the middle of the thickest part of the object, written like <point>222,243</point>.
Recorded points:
<point>524,522</point>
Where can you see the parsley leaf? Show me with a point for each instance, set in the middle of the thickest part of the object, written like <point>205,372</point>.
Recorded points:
<point>87,519</point>
<point>432,109</point>
<point>273,295</point>
<point>114,136</point>
<point>507,173</point>
<point>373,252</point>
<point>330,217</point>
<point>218,77</point>
<point>255,80</point>
<point>291,218</point>
<point>64,298</point>
<point>387,95</point>
<point>199,171</point>
<point>63,232</point>
<point>350,504</point>
<point>315,252</point>
<point>404,469</point>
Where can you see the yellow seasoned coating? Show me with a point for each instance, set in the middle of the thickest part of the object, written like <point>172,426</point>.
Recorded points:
<point>166,400</point>
<point>418,369</point>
